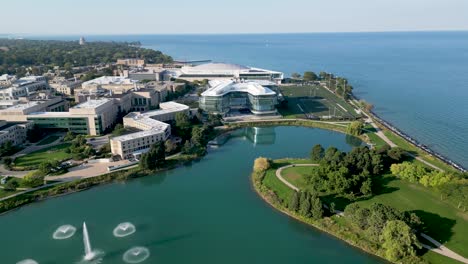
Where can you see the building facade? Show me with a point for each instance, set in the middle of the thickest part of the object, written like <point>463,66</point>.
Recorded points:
<point>93,117</point>
<point>153,129</point>
<point>224,96</point>
<point>217,71</point>
<point>16,133</point>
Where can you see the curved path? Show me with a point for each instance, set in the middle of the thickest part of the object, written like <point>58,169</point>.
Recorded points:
<point>439,248</point>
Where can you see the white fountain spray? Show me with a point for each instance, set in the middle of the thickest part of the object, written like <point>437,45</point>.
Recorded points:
<point>89,254</point>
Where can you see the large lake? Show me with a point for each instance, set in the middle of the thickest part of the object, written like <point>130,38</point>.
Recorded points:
<point>203,213</point>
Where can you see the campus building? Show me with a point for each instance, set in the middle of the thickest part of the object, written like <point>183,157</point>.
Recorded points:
<point>23,87</point>
<point>65,86</point>
<point>153,129</point>
<point>224,96</point>
<point>215,71</point>
<point>131,62</point>
<point>14,132</point>
<point>20,111</point>
<point>92,117</point>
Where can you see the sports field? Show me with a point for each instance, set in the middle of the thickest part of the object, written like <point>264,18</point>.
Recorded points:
<point>315,102</point>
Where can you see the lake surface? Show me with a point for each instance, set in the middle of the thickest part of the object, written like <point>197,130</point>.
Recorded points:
<point>203,213</point>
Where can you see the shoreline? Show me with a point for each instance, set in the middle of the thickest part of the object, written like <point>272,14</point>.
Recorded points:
<point>277,208</point>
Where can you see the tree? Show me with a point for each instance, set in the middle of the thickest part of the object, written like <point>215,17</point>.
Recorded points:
<point>118,130</point>
<point>182,121</point>
<point>294,202</point>
<point>355,128</point>
<point>33,179</point>
<point>261,164</point>
<point>305,207</point>
<point>69,136</point>
<point>396,154</point>
<point>170,146</point>
<point>187,148</point>
<point>332,208</point>
<point>11,185</point>
<point>317,153</point>
<point>398,240</point>
<point>366,187</point>
<point>295,75</point>
<point>310,76</point>
<point>409,171</point>
<point>316,208</point>
<point>154,158</point>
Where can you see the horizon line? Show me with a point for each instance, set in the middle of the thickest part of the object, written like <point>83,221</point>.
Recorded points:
<point>235,33</point>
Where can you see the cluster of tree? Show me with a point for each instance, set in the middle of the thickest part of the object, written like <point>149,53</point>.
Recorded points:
<point>355,128</point>
<point>80,149</point>
<point>155,158</point>
<point>119,130</point>
<point>366,105</point>
<point>306,204</point>
<point>6,148</point>
<point>197,143</point>
<point>339,85</point>
<point>19,53</point>
<point>34,179</point>
<point>348,174</point>
<point>11,185</point>
<point>418,173</point>
<point>49,166</point>
<point>451,185</point>
<point>386,226</point>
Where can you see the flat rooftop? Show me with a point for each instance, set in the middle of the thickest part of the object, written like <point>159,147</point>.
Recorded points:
<point>110,80</point>
<point>92,104</point>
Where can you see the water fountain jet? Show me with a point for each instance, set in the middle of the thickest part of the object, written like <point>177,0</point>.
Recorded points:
<point>124,229</point>
<point>64,232</point>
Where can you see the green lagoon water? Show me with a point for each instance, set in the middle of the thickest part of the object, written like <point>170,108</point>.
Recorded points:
<point>203,213</point>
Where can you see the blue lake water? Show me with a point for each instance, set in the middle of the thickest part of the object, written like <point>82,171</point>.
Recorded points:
<point>418,81</point>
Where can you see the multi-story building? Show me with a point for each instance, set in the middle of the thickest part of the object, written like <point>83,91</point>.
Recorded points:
<point>115,84</point>
<point>93,117</point>
<point>23,87</point>
<point>19,112</point>
<point>14,132</point>
<point>131,62</point>
<point>224,96</point>
<point>64,86</point>
<point>153,129</point>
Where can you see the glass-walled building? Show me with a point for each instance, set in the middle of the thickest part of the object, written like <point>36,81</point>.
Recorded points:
<point>224,96</point>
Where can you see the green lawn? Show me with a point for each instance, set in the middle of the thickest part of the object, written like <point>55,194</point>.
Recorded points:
<point>374,139</point>
<point>402,143</point>
<point>48,140</point>
<point>33,159</point>
<point>443,222</point>
<point>314,100</point>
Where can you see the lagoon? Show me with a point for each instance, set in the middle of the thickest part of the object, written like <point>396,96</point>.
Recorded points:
<point>206,212</point>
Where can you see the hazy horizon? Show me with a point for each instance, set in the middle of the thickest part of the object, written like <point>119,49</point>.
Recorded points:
<point>145,17</point>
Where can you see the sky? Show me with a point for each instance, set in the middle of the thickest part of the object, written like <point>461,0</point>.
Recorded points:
<point>72,17</point>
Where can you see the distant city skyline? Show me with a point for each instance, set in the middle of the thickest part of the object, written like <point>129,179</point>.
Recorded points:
<point>66,17</point>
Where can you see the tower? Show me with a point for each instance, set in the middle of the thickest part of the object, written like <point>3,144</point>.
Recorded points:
<point>82,41</point>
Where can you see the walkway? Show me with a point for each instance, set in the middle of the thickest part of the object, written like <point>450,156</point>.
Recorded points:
<point>439,249</point>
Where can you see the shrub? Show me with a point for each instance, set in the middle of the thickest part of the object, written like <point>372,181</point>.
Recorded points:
<point>261,164</point>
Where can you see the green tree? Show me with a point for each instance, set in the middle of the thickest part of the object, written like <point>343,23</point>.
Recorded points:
<point>33,179</point>
<point>316,207</point>
<point>182,121</point>
<point>305,207</point>
<point>294,202</point>
<point>7,161</point>
<point>332,208</point>
<point>155,158</point>
<point>118,130</point>
<point>355,128</point>
<point>317,153</point>
<point>396,154</point>
<point>295,75</point>
<point>261,164</point>
<point>366,187</point>
<point>398,240</point>
<point>310,76</point>
<point>11,185</point>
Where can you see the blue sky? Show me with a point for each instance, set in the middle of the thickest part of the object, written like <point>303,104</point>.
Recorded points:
<point>218,16</point>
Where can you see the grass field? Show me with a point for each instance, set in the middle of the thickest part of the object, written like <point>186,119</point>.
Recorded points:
<point>33,159</point>
<point>316,101</point>
<point>48,140</point>
<point>442,222</point>
<point>374,139</point>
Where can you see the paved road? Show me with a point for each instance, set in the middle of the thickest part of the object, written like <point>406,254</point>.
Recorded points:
<point>439,248</point>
